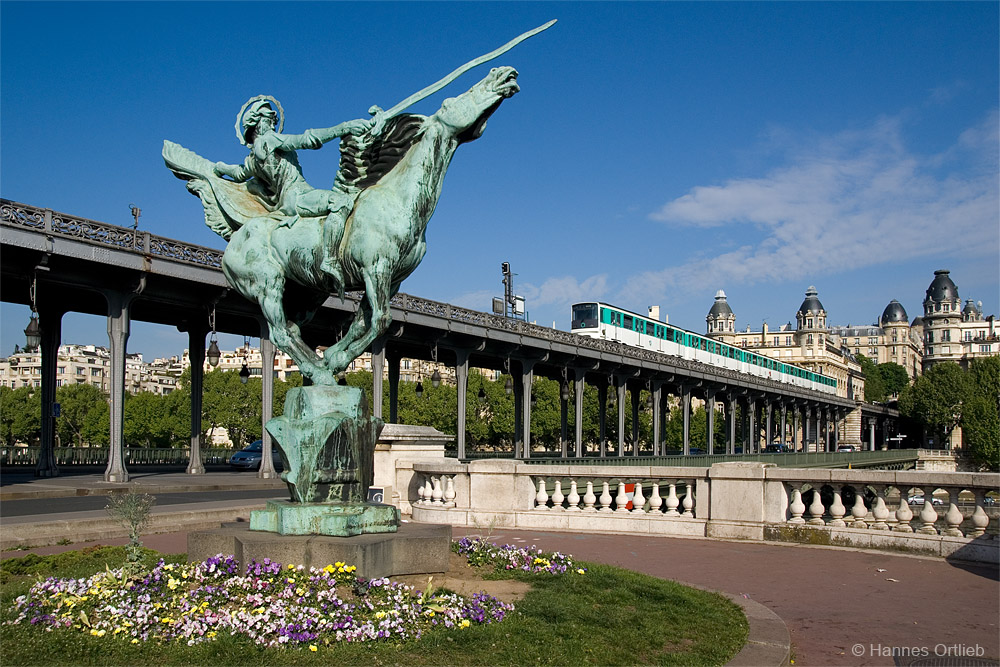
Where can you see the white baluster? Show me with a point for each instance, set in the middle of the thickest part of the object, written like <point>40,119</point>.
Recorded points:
<point>928,515</point>
<point>816,509</point>
<point>688,503</point>
<point>903,514</point>
<point>621,500</point>
<point>859,511</point>
<point>837,510</point>
<point>449,491</point>
<point>557,496</point>
<point>423,491</point>
<point>573,498</point>
<point>880,512</point>
<point>980,519</point>
<point>954,516</point>
<point>638,501</point>
<point>542,497</point>
<point>672,501</point>
<point>654,498</point>
<point>438,493</point>
<point>796,508</point>
<point>605,498</point>
<point>589,498</point>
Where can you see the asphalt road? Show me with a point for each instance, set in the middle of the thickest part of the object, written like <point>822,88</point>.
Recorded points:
<point>42,506</point>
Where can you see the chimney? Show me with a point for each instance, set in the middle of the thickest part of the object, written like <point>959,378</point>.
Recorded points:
<point>654,313</point>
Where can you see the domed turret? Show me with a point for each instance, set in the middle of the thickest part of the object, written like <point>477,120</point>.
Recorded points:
<point>942,287</point>
<point>812,314</point>
<point>720,319</point>
<point>971,313</point>
<point>894,313</point>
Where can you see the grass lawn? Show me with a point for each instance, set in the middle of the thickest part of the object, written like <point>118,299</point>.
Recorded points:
<point>609,616</point>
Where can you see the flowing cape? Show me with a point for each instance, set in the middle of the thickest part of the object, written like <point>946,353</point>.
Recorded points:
<point>228,205</point>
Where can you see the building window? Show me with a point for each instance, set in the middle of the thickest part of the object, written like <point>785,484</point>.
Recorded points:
<point>809,339</point>
<point>984,348</point>
<point>946,335</point>
<point>809,322</point>
<point>930,350</point>
<point>777,341</point>
<point>95,372</point>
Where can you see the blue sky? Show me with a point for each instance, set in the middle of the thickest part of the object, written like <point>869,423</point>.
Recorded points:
<point>657,152</point>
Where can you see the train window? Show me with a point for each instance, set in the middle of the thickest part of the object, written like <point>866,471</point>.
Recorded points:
<point>584,316</point>
<point>628,322</point>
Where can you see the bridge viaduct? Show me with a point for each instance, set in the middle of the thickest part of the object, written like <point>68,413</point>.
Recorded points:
<point>71,264</point>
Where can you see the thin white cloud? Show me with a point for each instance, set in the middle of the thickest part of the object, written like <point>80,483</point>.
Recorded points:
<point>855,200</point>
<point>565,290</point>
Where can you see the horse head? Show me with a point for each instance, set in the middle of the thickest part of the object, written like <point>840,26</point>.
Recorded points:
<point>466,114</point>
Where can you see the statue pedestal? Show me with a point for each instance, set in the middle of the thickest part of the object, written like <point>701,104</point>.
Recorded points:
<point>415,548</point>
<point>343,520</point>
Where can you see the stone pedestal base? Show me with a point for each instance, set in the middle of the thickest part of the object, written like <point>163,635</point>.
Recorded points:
<point>287,518</point>
<point>413,549</point>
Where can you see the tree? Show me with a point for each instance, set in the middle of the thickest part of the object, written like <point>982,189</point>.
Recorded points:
<point>981,414</point>
<point>894,378</point>
<point>80,410</point>
<point>936,398</point>
<point>20,415</point>
<point>874,386</point>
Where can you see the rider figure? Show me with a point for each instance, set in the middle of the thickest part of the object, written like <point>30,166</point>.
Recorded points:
<point>274,166</point>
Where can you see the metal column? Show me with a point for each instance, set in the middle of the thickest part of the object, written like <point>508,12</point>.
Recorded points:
<point>196,353</point>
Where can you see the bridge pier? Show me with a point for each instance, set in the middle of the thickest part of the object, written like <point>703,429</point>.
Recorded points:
<point>50,325</point>
<point>119,325</point>
<point>196,352</point>
<point>579,386</point>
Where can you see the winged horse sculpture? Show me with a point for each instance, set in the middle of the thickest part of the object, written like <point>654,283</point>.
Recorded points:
<point>291,245</point>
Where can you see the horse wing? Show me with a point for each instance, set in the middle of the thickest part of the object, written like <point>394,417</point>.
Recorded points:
<point>365,159</point>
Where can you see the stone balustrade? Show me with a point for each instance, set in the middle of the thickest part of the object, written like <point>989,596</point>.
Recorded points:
<point>947,514</point>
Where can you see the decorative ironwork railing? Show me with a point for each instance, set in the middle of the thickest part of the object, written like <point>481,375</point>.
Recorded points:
<point>103,234</point>
<point>123,238</point>
<point>99,455</point>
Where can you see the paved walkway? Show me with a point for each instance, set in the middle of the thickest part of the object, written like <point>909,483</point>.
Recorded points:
<point>842,607</point>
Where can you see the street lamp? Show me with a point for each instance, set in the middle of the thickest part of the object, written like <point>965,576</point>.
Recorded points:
<point>508,385</point>
<point>435,379</point>
<point>564,391</point>
<point>213,353</point>
<point>33,333</point>
<point>245,371</point>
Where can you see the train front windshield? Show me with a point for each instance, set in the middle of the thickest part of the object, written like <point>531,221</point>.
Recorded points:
<point>584,315</point>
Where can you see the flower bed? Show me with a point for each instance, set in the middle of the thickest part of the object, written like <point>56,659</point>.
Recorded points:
<point>506,557</point>
<point>268,603</point>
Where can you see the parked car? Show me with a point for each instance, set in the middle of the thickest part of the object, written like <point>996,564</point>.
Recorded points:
<point>846,448</point>
<point>250,457</point>
<point>919,500</point>
<point>776,448</point>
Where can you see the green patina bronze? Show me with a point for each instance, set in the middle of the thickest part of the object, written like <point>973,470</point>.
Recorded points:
<point>292,245</point>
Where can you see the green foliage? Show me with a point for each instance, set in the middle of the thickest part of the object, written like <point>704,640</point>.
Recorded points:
<point>894,378</point>
<point>20,415</point>
<point>20,572</point>
<point>947,396</point>
<point>132,510</point>
<point>981,414</point>
<point>83,411</point>
<point>875,391</point>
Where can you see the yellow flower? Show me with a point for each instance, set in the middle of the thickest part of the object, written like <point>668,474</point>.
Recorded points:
<point>291,567</point>
<point>580,571</point>
<point>464,623</point>
<point>135,641</point>
<point>98,633</point>
<point>313,648</point>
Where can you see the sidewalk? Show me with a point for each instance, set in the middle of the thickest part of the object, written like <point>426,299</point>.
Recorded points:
<point>841,606</point>
<point>24,485</point>
<point>80,526</point>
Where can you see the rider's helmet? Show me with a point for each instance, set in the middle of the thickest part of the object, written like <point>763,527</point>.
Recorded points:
<point>251,113</point>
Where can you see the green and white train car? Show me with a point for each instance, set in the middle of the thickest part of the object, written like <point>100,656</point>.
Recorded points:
<point>600,320</point>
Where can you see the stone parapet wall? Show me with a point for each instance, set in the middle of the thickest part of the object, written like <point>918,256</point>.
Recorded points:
<point>937,513</point>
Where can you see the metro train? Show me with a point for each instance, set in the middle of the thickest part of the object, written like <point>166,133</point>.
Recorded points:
<point>600,320</point>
